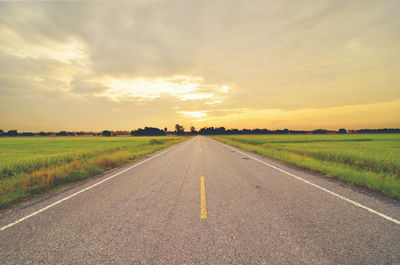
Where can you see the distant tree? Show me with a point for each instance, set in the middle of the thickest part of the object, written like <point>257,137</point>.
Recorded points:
<point>221,130</point>
<point>165,130</point>
<point>12,133</point>
<point>384,130</point>
<point>1,132</point>
<point>43,134</point>
<point>193,130</point>
<point>148,131</point>
<point>116,133</point>
<point>320,131</point>
<point>179,130</point>
<point>106,133</point>
<point>297,132</point>
<point>27,134</point>
<point>342,131</point>
<point>61,133</point>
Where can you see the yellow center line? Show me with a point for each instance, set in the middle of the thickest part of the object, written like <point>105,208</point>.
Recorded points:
<point>203,206</point>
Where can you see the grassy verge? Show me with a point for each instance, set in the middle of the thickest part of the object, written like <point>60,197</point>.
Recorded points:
<point>371,161</point>
<point>31,166</point>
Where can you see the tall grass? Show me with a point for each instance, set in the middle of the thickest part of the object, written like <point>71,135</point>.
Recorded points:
<point>30,166</point>
<point>372,161</point>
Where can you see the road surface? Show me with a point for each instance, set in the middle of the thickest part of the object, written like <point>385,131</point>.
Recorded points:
<point>203,202</point>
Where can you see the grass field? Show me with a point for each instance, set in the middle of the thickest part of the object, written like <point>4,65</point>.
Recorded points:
<point>34,165</point>
<point>369,160</point>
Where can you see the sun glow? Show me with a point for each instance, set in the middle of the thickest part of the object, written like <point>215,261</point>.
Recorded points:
<point>181,87</point>
<point>194,96</point>
<point>194,114</point>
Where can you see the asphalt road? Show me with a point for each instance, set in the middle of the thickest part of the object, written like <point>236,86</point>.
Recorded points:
<point>152,212</point>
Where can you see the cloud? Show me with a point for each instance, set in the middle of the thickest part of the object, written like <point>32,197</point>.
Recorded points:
<point>83,85</point>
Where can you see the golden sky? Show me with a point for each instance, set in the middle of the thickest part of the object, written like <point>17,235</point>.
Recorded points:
<point>257,64</point>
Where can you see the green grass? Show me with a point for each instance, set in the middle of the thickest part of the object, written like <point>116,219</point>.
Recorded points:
<point>368,160</point>
<point>33,165</point>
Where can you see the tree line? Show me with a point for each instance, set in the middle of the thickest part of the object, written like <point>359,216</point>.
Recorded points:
<point>180,130</point>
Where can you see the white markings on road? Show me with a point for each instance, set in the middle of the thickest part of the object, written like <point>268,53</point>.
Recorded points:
<point>76,193</point>
<point>321,188</point>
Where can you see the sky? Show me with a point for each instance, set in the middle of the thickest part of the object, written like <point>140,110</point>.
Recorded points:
<point>121,65</point>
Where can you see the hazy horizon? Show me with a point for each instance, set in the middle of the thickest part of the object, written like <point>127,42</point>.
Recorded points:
<point>91,66</point>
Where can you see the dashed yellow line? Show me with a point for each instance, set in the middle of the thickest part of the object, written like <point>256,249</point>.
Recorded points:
<point>203,206</point>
